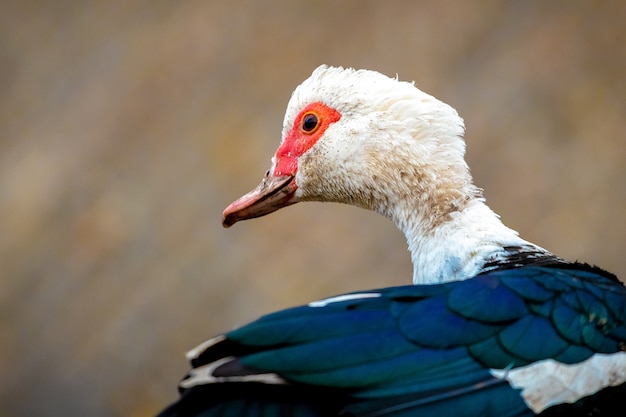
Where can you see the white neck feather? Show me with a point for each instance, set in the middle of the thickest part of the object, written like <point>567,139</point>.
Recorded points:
<point>463,246</point>
<point>451,232</point>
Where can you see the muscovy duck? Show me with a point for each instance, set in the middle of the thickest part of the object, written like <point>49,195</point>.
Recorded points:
<point>493,325</point>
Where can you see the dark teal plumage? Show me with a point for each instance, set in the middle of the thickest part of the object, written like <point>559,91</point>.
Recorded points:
<point>420,350</point>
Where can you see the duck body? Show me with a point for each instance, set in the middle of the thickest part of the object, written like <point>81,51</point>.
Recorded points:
<point>424,350</point>
<point>493,325</point>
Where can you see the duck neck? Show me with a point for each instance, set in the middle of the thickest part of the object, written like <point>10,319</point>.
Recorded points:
<point>464,243</point>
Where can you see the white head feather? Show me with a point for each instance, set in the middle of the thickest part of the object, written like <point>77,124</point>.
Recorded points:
<point>399,151</point>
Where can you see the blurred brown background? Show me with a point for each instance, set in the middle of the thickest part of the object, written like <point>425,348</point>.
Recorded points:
<point>126,128</point>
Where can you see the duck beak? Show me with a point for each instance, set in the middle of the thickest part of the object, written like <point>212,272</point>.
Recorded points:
<point>273,193</point>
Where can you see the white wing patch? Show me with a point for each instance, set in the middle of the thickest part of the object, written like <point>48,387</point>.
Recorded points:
<point>204,375</point>
<point>547,383</point>
<point>198,350</point>
<point>346,297</point>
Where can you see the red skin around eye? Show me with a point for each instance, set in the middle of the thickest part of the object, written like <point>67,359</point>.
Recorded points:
<point>299,141</point>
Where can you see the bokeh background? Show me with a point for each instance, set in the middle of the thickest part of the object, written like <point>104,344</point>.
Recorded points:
<point>127,126</point>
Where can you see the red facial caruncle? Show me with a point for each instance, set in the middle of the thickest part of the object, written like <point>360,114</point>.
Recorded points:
<point>309,125</point>
<point>279,186</point>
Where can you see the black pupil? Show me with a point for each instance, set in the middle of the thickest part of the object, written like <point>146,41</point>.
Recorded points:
<point>309,122</point>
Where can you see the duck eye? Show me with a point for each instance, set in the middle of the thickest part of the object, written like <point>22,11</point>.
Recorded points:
<point>310,122</point>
